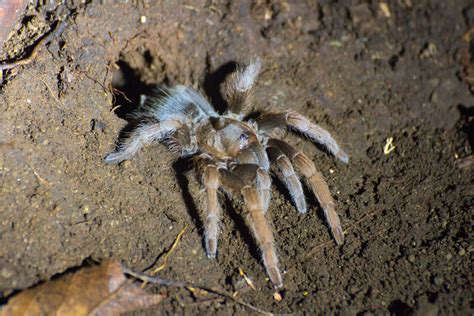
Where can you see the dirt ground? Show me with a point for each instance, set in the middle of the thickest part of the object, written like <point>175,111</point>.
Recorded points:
<point>365,70</point>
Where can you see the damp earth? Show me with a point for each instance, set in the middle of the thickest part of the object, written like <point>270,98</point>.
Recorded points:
<point>384,77</point>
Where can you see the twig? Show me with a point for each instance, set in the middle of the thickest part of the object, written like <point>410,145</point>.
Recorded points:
<point>40,179</point>
<point>181,284</point>
<point>51,92</point>
<point>170,251</point>
<point>167,253</point>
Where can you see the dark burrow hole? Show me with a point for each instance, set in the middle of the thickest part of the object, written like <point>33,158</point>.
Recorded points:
<point>127,90</point>
<point>467,125</point>
<point>399,308</point>
<point>213,82</point>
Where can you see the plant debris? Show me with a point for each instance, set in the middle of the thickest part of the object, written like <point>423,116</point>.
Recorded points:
<point>98,290</point>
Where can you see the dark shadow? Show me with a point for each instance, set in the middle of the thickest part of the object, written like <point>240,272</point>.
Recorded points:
<point>213,82</point>
<point>281,187</point>
<point>127,90</point>
<point>181,167</point>
<point>241,227</point>
<point>253,115</point>
<point>467,115</point>
<point>399,308</point>
<point>311,201</point>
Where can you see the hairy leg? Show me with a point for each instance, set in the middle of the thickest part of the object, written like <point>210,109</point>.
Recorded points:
<point>288,176</point>
<point>263,234</point>
<point>253,173</point>
<point>255,199</point>
<point>238,87</point>
<point>254,154</point>
<point>264,186</point>
<point>271,120</point>
<point>317,184</point>
<point>142,135</point>
<point>211,183</point>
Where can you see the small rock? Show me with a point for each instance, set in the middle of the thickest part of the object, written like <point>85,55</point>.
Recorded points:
<point>462,252</point>
<point>411,258</point>
<point>353,290</point>
<point>449,256</point>
<point>6,273</point>
<point>277,297</point>
<point>438,280</point>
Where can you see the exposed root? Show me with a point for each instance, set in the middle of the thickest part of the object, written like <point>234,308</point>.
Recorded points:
<point>28,60</point>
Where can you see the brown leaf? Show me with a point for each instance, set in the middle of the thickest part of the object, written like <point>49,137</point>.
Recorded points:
<point>467,57</point>
<point>99,290</point>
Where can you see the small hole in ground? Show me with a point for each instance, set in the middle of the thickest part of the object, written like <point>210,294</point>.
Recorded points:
<point>127,89</point>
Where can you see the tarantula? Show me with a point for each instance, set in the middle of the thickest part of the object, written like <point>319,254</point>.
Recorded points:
<point>234,153</point>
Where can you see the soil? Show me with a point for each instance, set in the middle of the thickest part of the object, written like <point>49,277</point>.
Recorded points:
<point>367,71</point>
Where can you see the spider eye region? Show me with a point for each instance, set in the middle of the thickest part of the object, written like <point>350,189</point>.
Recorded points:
<point>243,141</point>
<point>243,137</point>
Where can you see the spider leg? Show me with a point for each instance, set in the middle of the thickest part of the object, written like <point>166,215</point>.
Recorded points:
<point>264,184</point>
<point>292,119</point>
<point>181,141</point>
<point>254,154</point>
<point>239,85</point>
<point>317,184</point>
<point>250,173</point>
<point>288,176</point>
<point>262,233</point>
<point>142,135</point>
<point>256,202</point>
<point>212,183</point>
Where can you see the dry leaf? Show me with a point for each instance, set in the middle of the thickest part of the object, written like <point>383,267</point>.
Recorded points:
<point>467,58</point>
<point>99,290</point>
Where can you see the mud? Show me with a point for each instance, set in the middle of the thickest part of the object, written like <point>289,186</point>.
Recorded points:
<point>364,71</point>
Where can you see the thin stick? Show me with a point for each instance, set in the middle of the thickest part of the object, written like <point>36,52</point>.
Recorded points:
<point>40,179</point>
<point>181,284</point>
<point>51,92</point>
<point>170,251</point>
<point>167,253</point>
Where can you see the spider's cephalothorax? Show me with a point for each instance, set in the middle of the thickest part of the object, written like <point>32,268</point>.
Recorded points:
<point>237,155</point>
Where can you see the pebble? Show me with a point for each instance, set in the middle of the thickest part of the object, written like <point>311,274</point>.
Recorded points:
<point>449,256</point>
<point>462,252</point>
<point>6,273</point>
<point>277,297</point>
<point>353,289</point>
<point>411,258</point>
<point>438,280</point>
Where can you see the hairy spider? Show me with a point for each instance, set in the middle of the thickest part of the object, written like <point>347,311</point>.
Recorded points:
<point>234,154</point>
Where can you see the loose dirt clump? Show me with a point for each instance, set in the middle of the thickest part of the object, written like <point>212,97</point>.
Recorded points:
<point>366,71</point>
